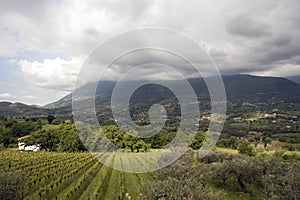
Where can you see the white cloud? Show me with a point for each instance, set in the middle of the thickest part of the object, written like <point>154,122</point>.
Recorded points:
<point>281,70</point>
<point>249,36</point>
<point>71,27</point>
<point>55,73</point>
<point>7,97</point>
<point>75,27</point>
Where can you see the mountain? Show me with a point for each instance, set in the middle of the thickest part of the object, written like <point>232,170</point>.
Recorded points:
<point>104,91</point>
<point>19,109</point>
<point>257,88</point>
<point>238,88</point>
<point>296,79</point>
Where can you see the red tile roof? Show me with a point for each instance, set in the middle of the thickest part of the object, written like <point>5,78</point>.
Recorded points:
<point>14,149</point>
<point>22,138</point>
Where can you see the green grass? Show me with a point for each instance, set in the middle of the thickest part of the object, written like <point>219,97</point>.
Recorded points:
<point>131,183</point>
<point>233,191</point>
<point>50,126</point>
<point>112,188</point>
<point>257,116</point>
<point>226,150</point>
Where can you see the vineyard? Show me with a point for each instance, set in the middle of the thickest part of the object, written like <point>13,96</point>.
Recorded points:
<point>47,175</point>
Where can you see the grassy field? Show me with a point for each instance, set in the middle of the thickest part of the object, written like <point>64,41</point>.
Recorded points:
<point>226,150</point>
<point>50,126</point>
<point>258,116</point>
<point>233,191</point>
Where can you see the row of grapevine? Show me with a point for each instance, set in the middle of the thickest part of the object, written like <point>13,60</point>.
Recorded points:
<point>70,176</point>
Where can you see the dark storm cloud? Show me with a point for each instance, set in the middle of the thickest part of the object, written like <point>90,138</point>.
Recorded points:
<point>280,40</point>
<point>243,25</point>
<point>259,37</point>
<point>280,54</point>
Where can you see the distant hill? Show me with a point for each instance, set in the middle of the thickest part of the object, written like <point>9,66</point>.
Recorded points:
<point>238,88</point>
<point>296,79</point>
<point>257,88</point>
<point>8,109</point>
<point>103,92</point>
<point>19,109</point>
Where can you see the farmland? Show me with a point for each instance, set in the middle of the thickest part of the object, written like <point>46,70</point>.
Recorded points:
<point>47,175</point>
<point>223,174</point>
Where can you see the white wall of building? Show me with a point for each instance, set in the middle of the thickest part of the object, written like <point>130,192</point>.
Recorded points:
<point>28,148</point>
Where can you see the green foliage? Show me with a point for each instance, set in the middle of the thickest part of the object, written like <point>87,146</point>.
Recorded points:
<point>290,147</point>
<point>246,148</point>
<point>217,157</point>
<point>267,141</point>
<point>6,138</point>
<point>125,141</point>
<point>181,180</point>
<point>69,140</point>
<point>241,168</point>
<point>53,175</point>
<point>50,118</point>
<point>141,145</point>
<point>47,139</point>
<point>11,129</point>
<point>25,128</point>
<point>229,142</point>
<point>281,180</point>
<point>64,139</point>
<point>12,185</point>
<point>198,140</point>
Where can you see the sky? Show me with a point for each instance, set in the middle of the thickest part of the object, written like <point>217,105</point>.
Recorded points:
<point>44,43</point>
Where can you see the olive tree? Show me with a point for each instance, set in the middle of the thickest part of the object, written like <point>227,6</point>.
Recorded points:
<point>12,185</point>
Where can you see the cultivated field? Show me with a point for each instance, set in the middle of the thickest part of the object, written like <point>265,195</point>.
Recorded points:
<point>46,175</point>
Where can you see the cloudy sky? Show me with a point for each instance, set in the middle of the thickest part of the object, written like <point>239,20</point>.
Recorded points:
<point>43,43</point>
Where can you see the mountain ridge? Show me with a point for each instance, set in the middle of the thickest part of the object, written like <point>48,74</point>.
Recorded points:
<point>239,87</point>
<point>236,86</point>
<point>295,79</point>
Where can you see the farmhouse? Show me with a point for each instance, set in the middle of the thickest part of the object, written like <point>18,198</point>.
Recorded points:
<point>68,121</point>
<point>238,119</point>
<point>256,133</point>
<point>27,148</point>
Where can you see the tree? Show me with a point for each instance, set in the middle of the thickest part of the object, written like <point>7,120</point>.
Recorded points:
<point>12,185</point>
<point>242,168</point>
<point>274,145</point>
<point>281,180</point>
<point>198,140</point>
<point>230,142</point>
<point>181,180</point>
<point>25,128</point>
<point>246,148</point>
<point>6,138</point>
<point>129,140</point>
<point>69,140</point>
<point>50,118</point>
<point>140,144</point>
<point>267,141</point>
<point>47,139</point>
<point>64,139</point>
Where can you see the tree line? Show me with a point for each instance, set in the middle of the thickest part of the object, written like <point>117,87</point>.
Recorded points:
<point>218,174</point>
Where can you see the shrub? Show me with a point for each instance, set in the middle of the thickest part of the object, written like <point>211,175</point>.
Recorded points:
<point>246,148</point>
